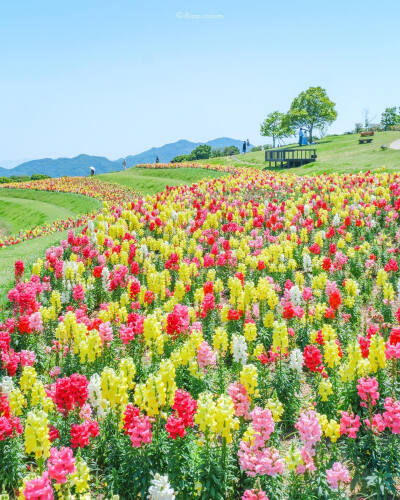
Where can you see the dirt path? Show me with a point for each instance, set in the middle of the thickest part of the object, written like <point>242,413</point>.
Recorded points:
<point>395,144</point>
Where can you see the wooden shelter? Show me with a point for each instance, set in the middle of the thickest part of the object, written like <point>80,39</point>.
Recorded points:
<point>291,157</point>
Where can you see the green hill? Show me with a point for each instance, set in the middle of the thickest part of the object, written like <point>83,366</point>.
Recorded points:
<point>22,209</point>
<point>150,181</point>
<point>336,153</point>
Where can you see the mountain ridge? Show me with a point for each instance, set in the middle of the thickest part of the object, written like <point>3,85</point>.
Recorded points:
<point>79,165</point>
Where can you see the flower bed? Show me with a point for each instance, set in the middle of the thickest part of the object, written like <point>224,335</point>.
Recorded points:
<point>238,338</point>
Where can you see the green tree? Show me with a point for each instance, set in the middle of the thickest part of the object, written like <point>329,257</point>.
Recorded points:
<point>312,109</point>
<point>358,127</point>
<point>201,152</point>
<point>216,153</point>
<point>390,117</point>
<point>230,151</point>
<point>276,126</point>
<point>180,158</point>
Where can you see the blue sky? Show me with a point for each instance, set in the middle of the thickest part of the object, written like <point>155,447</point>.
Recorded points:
<point>117,77</point>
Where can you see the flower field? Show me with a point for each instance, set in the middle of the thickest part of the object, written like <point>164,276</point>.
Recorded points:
<point>233,339</point>
<point>87,186</point>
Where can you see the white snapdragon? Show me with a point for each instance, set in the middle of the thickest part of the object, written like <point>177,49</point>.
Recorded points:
<point>239,349</point>
<point>144,250</point>
<point>95,395</point>
<point>66,296</point>
<point>296,360</point>
<point>336,220</point>
<point>160,489</point>
<point>6,385</point>
<point>295,295</point>
<point>105,276</point>
<point>307,263</point>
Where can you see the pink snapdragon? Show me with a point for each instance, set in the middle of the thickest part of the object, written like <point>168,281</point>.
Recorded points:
<point>367,389</point>
<point>392,415</point>
<point>106,333</point>
<point>349,424</point>
<point>254,457</point>
<point>254,495</point>
<point>205,356</point>
<point>27,358</point>
<point>78,293</point>
<point>60,464</point>
<point>337,474</point>
<point>263,424</point>
<point>39,488</point>
<point>126,333</point>
<point>240,398</point>
<point>392,351</point>
<point>260,461</point>
<point>35,322</point>
<point>309,429</point>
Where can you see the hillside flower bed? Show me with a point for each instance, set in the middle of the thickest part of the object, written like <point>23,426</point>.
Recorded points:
<point>234,339</point>
<point>87,186</point>
<point>42,230</point>
<point>219,168</point>
<point>105,191</point>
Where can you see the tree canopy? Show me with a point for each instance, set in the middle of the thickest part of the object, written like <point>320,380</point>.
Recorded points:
<point>312,109</point>
<point>390,117</point>
<point>276,126</point>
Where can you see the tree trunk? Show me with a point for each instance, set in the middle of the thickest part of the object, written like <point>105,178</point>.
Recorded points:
<point>273,141</point>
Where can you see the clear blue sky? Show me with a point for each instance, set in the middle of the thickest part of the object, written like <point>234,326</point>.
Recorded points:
<point>115,77</point>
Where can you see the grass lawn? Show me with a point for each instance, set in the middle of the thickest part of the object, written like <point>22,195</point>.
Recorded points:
<point>24,209</point>
<point>150,181</point>
<point>340,154</point>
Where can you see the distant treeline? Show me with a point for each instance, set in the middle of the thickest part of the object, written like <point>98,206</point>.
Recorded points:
<point>23,178</point>
<point>204,151</point>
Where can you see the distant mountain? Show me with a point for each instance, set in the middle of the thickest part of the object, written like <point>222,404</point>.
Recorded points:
<point>80,164</point>
<point>12,163</point>
<point>64,166</point>
<point>168,151</point>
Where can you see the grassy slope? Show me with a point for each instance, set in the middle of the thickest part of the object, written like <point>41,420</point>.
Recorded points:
<point>152,181</point>
<point>24,209</point>
<point>341,154</point>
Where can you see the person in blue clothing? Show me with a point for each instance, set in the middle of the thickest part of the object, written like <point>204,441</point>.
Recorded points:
<point>244,147</point>
<point>301,137</point>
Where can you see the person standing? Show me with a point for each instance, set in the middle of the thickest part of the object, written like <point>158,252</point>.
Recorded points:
<point>124,163</point>
<point>92,170</point>
<point>244,147</point>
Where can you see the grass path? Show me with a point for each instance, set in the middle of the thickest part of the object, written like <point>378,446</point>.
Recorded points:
<point>395,144</point>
